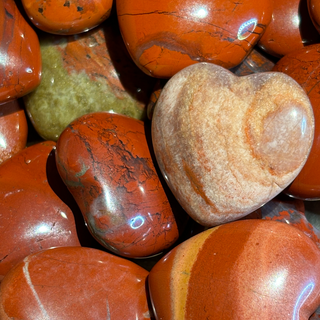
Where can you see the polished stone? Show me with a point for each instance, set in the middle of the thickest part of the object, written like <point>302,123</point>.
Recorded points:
<point>13,129</point>
<point>226,144</point>
<point>304,66</point>
<point>314,11</point>
<point>67,17</point>
<point>290,211</point>
<point>86,73</point>
<point>74,283</point>
<point>163,37</point>
<point>253,63</point>
<point>32,216</point>
<point>290,29</point>
<point>104,160</point>
<point>241,270</point>
<point>20,70</point>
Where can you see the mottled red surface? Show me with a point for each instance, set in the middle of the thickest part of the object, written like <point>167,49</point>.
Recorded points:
<point>240,270</point>
<point>104,160</point>
<point>20,68</point>
<point>67,16</point>
<point>32,216</point>
<point>290,29</point>
<point>314,11</point>
<point>290,211</point>
<point>304,66</point>
<point>74,283</point>
<point>13,129</point>
<point>163,37</point>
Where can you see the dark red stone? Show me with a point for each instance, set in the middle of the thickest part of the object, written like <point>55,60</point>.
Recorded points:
<point>32,216</point>
<point>254,62</point>
<point>290,28</point>
<point>74,283</point>
<point>104,160</point>
<point>20,68</point>
<point>304,66</point>
<point>13,129</point>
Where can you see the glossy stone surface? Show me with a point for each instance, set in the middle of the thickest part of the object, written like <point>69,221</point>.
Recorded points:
<point>290,29</point>
<point>20,69</point>
<point>314,11</point>
<point>254,62</point>
<point>74,283</point>
<point>240,270</point>
<point>226,144</point>
<point>67,17</point>
<point>86,73</point>
<point>163,37</point>
<point>32,216</point>
<point>13,129</point>
<point>289,211</point>
<point>304,66</point>
<point>104,160</point>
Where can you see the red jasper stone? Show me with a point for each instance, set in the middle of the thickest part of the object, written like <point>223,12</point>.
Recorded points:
<point>241,270</point>
<point>20,68</point>
<point>13,129</point>
<point>67,16</point>
<point>254,62</point>
<point>104,160</point>
<point>32,216</point>
<point>226,145</point>
<point>163,37</point>
<point>303,66</point>
<point>74,283</point>
<point>314,11</point>
<point>290,28</point>
<point>290,211</point>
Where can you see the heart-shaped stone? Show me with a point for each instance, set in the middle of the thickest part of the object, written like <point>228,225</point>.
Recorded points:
<point>226,144</point>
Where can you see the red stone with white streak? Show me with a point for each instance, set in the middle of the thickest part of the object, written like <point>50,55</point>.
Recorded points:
<point>74,283</point>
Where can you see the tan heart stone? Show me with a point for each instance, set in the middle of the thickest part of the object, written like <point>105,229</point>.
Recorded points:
<point>226,144</point>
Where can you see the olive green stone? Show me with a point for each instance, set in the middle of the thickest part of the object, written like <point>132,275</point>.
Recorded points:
<point>84,74</point>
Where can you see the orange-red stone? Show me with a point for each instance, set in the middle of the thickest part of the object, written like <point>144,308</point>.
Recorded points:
<point>254,62</point>
<point>13,129</point>
<point>241,270</point>
<point>226,144</point>
<point>290,28</point>
<point>304,66</point>
<point>314,11</point>
<point>104,160</point>
<point>32,216</point>
<point>67,16</point>
<point>20,68</point>
<point>163,37</point>
<point>74,283</point>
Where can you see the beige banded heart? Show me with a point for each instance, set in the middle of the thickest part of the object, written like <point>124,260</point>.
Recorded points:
<point>226,144</point>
